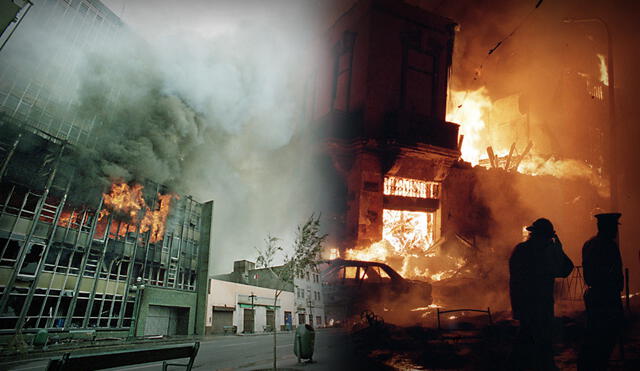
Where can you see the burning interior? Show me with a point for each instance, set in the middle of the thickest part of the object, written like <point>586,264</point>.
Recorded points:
<point>70,254</point>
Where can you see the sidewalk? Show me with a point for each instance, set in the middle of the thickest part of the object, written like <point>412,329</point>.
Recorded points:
<point>89,346</point>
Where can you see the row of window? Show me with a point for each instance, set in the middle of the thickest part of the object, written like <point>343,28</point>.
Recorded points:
<point>55,309</point>
<point>300,293</point>
<point>30,88</point>
<point>315,277</point>
<point>303,318</point>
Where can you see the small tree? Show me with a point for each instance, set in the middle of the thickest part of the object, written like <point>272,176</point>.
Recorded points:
<point>305,255</point>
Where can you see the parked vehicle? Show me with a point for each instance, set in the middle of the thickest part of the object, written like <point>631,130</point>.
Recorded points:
<point>351,287</point>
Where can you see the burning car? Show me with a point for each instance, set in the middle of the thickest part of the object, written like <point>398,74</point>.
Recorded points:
<point>353,286</point>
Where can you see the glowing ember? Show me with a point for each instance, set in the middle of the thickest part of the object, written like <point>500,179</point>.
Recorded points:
<point>430,306</point>
<point>604,74</point>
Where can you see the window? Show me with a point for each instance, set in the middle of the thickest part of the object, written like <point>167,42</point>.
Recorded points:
<point>318,320</point>
<point>418,82</point>
<point>9,250</point>
<point>350,273</point>
<point>342,69</point>
<point>376,275</point>
<point>32,260</point>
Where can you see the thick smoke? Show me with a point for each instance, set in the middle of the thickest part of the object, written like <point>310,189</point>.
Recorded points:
<point>206,99</point>
<point>550,64</point>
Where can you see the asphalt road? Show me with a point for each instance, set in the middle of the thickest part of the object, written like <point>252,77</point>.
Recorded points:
<point>243,353</point>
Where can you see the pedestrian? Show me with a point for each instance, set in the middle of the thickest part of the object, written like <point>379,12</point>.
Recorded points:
<point>602,266</point>
<point>533,267</point>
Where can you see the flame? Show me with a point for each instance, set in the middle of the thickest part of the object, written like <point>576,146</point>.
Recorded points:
<point>128,210</point>
<point>334,253</point>
<point>408,230</point>
<point>406,236</point>
<point>155,220</point>
<point>430,306</point>
<point>469,110</point>
<point>604,74</point>
<point>375,252</point>
<point>70,219</point>
<point>125,199</point>
<point>404,187</point>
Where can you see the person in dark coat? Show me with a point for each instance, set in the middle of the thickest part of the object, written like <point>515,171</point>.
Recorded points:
<point>603,276</point>
<point>533,267</point>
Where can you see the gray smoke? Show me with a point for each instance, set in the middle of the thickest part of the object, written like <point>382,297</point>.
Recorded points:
<point>207,99</point>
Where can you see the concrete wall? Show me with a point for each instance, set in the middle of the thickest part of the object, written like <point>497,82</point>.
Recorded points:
<point>235,295</point>
<point>203,267</point>
<point>169,298</point>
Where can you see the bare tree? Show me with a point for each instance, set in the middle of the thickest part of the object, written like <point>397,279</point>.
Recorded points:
<point>304,255</point>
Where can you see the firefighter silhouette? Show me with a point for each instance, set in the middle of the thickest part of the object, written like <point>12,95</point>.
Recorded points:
<point>533,267</point>
<point>602,266</point>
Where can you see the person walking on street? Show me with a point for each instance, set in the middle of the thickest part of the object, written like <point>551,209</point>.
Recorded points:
<point>603,276</point>
<point>533,267</point>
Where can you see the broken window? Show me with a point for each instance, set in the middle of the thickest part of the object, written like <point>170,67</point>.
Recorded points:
<point>9,249</point>
<point>31,260</point>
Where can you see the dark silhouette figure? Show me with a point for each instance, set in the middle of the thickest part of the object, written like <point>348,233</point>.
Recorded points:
<point>533,267</point>
<point>602,266</point>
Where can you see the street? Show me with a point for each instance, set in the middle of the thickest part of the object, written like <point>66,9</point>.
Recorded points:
<point>240,352</point>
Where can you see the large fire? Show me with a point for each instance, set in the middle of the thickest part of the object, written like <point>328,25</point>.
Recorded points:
<point>489,137</point>
<point>406,236</point>
<point>125,210</point>
<point>472,109</point>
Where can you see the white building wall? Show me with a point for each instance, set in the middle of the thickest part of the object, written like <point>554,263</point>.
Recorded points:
<point>312,301</point>
<point>231,294</point>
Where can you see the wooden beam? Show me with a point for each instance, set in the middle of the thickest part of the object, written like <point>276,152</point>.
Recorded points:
<point>410,203</point>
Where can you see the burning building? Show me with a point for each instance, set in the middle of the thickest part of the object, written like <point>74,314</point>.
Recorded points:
<point>435,182</point>
<point>382,101</point>
<point>73,258</point>
<point>80,252</point>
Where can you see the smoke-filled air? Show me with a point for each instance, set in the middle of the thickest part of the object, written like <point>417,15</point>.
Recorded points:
<point>206,99</point>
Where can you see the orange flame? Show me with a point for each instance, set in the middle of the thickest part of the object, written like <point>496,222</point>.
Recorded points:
<point>127,203</point>
<point>406,236</point>
<point>125,199</point>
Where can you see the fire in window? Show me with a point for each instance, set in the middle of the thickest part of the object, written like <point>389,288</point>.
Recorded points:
<point>405,187</point>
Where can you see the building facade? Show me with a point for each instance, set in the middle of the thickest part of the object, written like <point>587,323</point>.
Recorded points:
<point>309,299</point>
<point>247,307</point>
<point>40,62</point>
<point>306,286</point>
<point>70,256</point>
<point>380,103</point>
